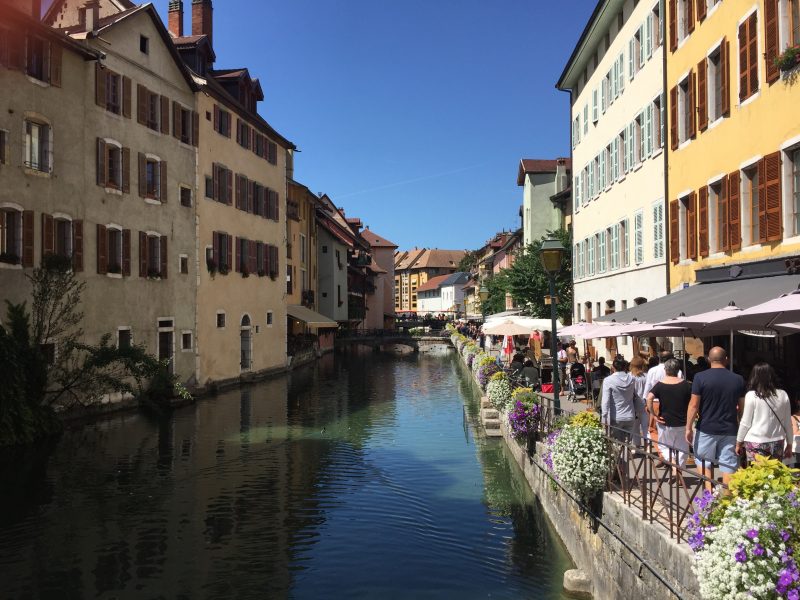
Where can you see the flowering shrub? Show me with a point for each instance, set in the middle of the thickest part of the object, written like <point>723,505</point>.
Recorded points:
<point>745,543</point>
<point>587,418</point>
<point>480,360</point>
<point>547,457</point>
<point>486,370</point>
<point>523,418</point>
<point>498,390</point>
<point>468,358</point>
<point>581,459</point>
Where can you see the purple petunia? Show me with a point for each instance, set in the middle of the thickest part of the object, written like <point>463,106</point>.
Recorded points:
<point>741,554</point>
<point>752,534</point>
<point>758,550</point>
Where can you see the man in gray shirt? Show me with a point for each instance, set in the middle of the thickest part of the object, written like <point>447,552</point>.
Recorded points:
<point>619,392</point>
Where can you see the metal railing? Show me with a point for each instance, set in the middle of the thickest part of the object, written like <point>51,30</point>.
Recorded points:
<point>646,475</point>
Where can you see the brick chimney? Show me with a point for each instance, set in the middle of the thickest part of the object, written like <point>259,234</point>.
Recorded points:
<point>202,21</point>
<point>175,17</point>
<point>89,15</point>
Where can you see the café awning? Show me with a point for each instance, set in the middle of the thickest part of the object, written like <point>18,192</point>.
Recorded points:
<point>310,317</point>
<point>705,297</point>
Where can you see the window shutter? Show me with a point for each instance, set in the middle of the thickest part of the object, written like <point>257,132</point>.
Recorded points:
<point>141,104</point>
<point>102,249</point>
<point>142,254</point>
<point>725,87</point>
<point>674,254</point>
<point>126,170</point>
<point>752,50</point>
<point>773,197</point>
<point>673,118</point>
<point>703,226</point>
<point>48,235</point>
<point>701,10</point>
<point>690,16</point>
<point>163,256</point>
<point>723,216</point>
<point>229,177</point>
<point>195,128</point>
<point>126,97</point>
<point>238,179</point>
<point>126,252</point>
<point>142,175</point>
<point>164,114</point>
<point>238,130</point>
<point>27,238</point>
<point>277,206</point>
<point>251,246</point>
<point>229,241</point>
<point>215,181</point>
<point>771,39</point>
<point>734,211</point>
<point>176,120</point>
<point>55,65</point>
<point>101,162</point>
<point>691,230</point>
<point>16,49</point>
<point>702,92</point>
<point>215,248</point>
<point>163,184</point>
<point>250,197</point>
<point>673,25</point>
<point>744,85</point>
<point>692,104</point>
<point>77,246</point>
<point>99,85</point>
<point>238,261</point>
<point>216,117</point>
<point>762,200</point>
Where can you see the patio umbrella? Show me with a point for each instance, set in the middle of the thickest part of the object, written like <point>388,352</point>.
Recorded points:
<point>785,309</point>
<point>575,330</point>
<point>506,327</point>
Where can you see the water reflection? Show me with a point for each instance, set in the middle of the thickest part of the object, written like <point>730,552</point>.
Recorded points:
<point>349,479</point>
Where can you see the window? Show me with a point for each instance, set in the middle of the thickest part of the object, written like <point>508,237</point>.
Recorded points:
<point>220,319</point>
<point>750,193</point>
<point>339,259</point>
<point>289,287</point>
<point>657,124</point>
<point>601,252</point>
<point>124,338</point>
<point>794,156</point>
<point>339,300</point>
<point>3,140</point>
<point>10,236</point>
<point>186,341</point>
<point>243,134</point>
<point>144,44</point>
<point>655,26</point>
<point>272,152</point>
<point>597,166</point>
<point>113,165</point>
<point>585,119</point>
<point>715,73</point>
<point>718,216</point>
<point>624,243</point>
<point>222,121</point>
<point>153,256</point>
<point>63,237</point>
<point>614,249</point>
<point>685,18</point>
<point>184,264</point>
<point>185,126</point>
<point>637,141</point>
<point>38,53</point>
<point>590,254</point>
<point>114,249</point>
<point>748,57</point>
<point>688,226</point>
<point>209,187</point>
<point>658,230</point>
<point>152,178</point>
<point>686,117</point>
<point>186,196</point>
<point>269,318</point>
<point>222,184</point>
<point>602,183</point>
<point>302,248</point>
<point>222,250</point>
<point>638,237</point>
<point>793,12</point>
<point>153,107</point>
<point>595,115</point>
<point>37,146</point>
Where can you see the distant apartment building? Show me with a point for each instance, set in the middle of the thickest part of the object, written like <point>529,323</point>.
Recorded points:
<point>414,267</point>
<point>334,242</point>
<point>615,80</point>
<point>544,183</point>
<point>380,301</point>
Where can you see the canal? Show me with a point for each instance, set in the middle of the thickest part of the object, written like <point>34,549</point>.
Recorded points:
<point>359,477</point>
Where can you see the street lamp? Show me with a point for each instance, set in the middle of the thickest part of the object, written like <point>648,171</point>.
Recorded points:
<point>551,254</point>
<point>483,294</point>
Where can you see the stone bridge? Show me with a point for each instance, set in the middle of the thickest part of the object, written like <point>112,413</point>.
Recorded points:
<point>380,337</point>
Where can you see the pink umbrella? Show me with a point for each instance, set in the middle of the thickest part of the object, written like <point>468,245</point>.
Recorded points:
<point>785,309</point>
<point>575,330</point>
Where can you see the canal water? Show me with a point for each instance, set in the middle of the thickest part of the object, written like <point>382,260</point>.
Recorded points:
<point>359,477</point>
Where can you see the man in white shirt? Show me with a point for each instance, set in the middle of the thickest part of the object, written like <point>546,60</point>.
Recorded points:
<point>562,367</point>
<point>656,374</point>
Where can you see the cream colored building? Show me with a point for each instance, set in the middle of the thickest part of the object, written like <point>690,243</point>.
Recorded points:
<point>381,300</point>
<point>93,171</point>
<point>615,79</point>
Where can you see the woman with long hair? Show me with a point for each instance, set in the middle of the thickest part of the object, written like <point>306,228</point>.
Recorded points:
<point>766,425</point>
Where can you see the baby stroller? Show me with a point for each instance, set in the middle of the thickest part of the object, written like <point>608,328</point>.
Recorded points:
<point>577,381</point>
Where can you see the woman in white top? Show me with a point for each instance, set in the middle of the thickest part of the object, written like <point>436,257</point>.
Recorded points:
<point>766,425</point>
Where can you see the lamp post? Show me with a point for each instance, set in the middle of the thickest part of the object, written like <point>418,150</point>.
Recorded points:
<point>483,294</point>
<point>551,254</point>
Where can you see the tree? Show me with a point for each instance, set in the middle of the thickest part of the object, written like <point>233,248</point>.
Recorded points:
<point>497,285</point>
<point>467,262</point>
<point>529,283</point>
<point>44,362</point>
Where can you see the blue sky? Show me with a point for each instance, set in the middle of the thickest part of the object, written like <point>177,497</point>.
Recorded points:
<point>411,115</point>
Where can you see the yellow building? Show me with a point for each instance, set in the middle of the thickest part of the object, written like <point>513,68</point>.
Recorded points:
<point>733,164</point>
<point>413,268</point>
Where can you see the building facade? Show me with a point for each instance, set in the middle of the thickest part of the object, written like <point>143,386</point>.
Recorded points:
<point>301,250</point>
<point>380,303</point>
<point>334,243</point>
<point>540,181</point>
<point>615,80</point>
<point>414,267</point>
<point>734,147</point>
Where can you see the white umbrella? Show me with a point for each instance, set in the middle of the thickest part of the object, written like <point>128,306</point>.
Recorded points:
<point>506,327</point>
<point>785,309</point>
<point>575,330</point>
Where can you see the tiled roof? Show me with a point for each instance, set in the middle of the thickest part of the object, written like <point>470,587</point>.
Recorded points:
<point>187,40</point>
<point>433,283</point>
<point>456,279</point>
<point>537,165</point>
<point>376,241</point>
<point>105,21</point>
<point>429,259</point>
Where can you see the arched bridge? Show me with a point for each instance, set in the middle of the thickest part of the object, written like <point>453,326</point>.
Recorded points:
<point>375,338</point>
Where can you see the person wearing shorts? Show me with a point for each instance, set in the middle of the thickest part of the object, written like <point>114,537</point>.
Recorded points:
<point>717,396</point>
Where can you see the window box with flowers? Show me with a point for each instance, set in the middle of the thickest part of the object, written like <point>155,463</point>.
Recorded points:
<point>789,59</point>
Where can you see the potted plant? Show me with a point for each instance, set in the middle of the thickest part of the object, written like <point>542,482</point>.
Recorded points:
<point>789,59</point>
<point>498,390</point>
<point>211,264</point>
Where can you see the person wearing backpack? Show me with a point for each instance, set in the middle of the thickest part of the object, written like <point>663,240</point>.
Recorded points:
<point>766,425</point>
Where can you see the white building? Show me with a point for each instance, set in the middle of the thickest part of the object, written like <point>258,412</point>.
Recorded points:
<point>540,181</point>
<point>429,296</point>
<point>452,292</point>
<point>615,79</point>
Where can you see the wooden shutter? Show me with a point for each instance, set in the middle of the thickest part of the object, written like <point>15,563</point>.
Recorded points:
<point>725,87</point>
<point>673,118</point>
<point>238,191</point>
<point>163,183</point>
<point>771,39</point>
<point>723,213</point>
<point>126,97</point>
<point>27,238</point>
<point>215,247</point>
<point>142,175</point>
<point>229,241</point>
<point>691,229</point>
<point>55,65</point>
<point>16,49</point>
<point>673,25</point>
<point>142,254</point>
<point>195,128</point>
<point>216,117</point>
<point>277,206</point>
<point>77,246</point>
<point>238,130</point>
<point>701,10</point>
<point>734,211</point>
<point>702,92</point>
<point>229,183</point>
<point>251,246</point>
<point>48,235</point>
<point>250,196</point>
<point>126,170</point>
<point>176,120</point>
<point>237,263</point>
<point>141,104</point>
<point>164,114</point>
<point>99,85</point>
<point>163,256</point>
<point>102,249</point>
<point>773,197</point>
<point>101,162</point>
<point>762,200</point>
<point>692,108</point>
<point>752,52</point>
<point>674,239</point>
<point>689,16</point>
<point>126,252</point>
<point>744,85</point>
<point>702,210</point>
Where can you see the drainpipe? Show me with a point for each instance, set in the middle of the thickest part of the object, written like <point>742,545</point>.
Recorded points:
<point>667,143</point>
<point>571,201</point>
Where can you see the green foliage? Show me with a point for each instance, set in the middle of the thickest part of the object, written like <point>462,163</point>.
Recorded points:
<point>497,285</point>
<point>587,418</point>
<point>529,283</point>
<point>467,262</point>
<point>764,476</point>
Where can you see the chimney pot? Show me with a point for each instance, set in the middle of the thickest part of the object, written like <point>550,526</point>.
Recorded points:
<point>175,17</point>
<point>91,14</point>
<point>202,18</point>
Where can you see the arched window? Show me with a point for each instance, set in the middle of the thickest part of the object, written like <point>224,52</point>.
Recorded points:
<point>246,340</point>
